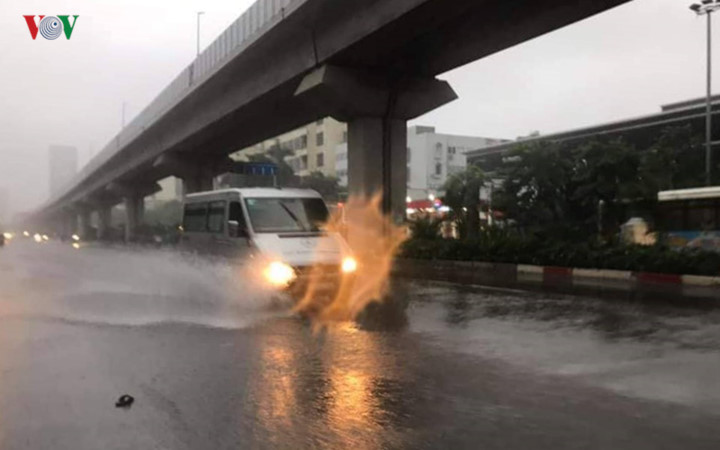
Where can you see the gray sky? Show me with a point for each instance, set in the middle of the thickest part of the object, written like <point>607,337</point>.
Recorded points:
<point>623,63</point>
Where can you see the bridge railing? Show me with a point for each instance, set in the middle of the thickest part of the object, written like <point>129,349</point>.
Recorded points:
<point>252,24</point>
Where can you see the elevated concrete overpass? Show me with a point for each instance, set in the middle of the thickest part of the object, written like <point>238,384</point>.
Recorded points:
<point>285,63</point>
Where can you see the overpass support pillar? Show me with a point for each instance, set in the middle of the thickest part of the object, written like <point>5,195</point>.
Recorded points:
<point>376,109</point>
<point>84,223</point>
<point>377,162</point>
<point>134,211</point>
<point>68,224</point>
<point>104,222</point>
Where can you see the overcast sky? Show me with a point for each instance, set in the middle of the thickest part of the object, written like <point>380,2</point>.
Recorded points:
<point>623,63</point>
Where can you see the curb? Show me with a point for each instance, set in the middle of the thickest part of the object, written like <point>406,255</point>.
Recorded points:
<point>479,270</point>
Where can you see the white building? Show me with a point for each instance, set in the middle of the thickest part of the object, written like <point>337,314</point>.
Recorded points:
<point>341,163</point>
<point>312,147</point>
<point>172,189</point>
<point>432,157</point>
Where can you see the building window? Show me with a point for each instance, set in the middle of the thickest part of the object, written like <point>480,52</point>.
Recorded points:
<point>452,150</point>
<point>303,162</point>
<point>303,141</point>
<point>438,150</point>
<point>320,139</point>
<point>320,159</point>
<point>438,169</point>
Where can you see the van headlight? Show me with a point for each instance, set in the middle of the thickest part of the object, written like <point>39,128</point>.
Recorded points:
<point>279,274</point>
<point>349,265</point>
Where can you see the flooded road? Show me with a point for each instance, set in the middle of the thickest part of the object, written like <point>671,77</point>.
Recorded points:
<point>214,363</point>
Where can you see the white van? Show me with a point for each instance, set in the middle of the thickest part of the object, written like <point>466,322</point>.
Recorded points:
<point>277,230</point>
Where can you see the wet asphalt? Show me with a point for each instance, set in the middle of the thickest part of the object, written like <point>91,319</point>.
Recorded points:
<point>213,363</point>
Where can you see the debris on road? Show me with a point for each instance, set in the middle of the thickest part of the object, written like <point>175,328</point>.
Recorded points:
<point>125,401</point>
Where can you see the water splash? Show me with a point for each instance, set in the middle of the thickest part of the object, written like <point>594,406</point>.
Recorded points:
<point>374,240</point>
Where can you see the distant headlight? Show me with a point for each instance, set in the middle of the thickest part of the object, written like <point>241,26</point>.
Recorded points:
<point>279,274</point>
<point>349,265</point>
<point>75,237</point>
<point>37,238</point>
<point>75,245</point>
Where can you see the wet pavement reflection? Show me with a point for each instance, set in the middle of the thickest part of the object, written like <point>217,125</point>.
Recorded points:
<point>213,366</point>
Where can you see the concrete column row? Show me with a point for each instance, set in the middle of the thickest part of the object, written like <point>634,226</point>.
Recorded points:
<point>80,222</point>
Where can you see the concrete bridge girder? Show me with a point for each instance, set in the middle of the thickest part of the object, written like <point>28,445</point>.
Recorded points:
<point>345,94</point>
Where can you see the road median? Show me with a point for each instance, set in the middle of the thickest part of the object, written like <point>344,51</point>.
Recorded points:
<point>504,274</point>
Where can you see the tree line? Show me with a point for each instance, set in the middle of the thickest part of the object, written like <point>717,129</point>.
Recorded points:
<point>573,189</point>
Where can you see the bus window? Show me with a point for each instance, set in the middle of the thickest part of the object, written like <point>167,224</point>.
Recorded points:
<point>216,217</point>
<point>195,217</point>
<point>236,214</point>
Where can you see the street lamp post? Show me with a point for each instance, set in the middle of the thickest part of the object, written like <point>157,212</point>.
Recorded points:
<point>200,13</point>
<point>706,8</point>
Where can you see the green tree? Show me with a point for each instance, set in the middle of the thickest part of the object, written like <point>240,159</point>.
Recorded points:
<point>538,189</point>
<point>607,171</point>
<point>462,195</point>
<point>328,187</point>
<point>556,188</point>
<point>675,160</point>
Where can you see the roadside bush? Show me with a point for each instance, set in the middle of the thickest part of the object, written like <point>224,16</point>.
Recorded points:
<point>426,227</point>
<point>508,247</point>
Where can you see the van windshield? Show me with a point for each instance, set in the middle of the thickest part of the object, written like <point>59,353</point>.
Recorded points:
<point>286,215</point>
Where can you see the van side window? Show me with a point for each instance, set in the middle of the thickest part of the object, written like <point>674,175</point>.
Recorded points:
<point>236,214</point>
<point>195,217</point>
<point>216,217</point>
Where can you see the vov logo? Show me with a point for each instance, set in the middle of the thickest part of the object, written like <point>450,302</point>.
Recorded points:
<point>50,27</point>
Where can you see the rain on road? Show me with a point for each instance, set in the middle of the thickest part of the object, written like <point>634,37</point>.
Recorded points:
<point>213,363</point>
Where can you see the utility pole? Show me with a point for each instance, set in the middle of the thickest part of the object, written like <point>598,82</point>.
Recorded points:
<point>706,8</point>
